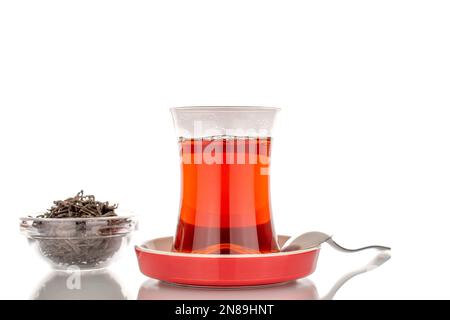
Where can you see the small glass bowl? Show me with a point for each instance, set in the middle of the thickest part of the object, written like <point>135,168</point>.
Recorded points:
<point>86,243</point>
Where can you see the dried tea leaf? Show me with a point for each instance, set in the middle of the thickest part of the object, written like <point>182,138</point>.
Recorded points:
<point>80,206</point>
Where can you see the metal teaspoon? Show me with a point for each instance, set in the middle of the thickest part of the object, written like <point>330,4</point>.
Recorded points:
<point>314,239</point>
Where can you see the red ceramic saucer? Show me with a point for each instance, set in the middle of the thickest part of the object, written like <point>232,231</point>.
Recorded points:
<point>157,260</point>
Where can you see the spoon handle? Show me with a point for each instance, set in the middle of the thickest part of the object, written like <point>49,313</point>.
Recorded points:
<point>336,246</point>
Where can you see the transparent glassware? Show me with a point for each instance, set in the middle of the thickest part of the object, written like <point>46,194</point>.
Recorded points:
<point>225,194</point>
<point>85,243</point>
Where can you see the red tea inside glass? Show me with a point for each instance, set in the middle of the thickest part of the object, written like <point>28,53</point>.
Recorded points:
<point>225,200</point>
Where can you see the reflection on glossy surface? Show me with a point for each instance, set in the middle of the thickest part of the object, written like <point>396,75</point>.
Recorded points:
<point>375,263</point>
<point>80,285</point>
<point>303,289</point>
<point>296,290</point>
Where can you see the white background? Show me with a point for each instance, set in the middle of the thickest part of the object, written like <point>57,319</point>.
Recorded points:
<point>361,145</point>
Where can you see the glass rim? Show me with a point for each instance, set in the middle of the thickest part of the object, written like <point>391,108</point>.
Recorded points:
<point>226,109</point>
<point>90,219</point>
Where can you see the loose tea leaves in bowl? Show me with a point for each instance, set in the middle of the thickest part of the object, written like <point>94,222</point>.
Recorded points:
<point>79,231</point>
<point>80,206</point>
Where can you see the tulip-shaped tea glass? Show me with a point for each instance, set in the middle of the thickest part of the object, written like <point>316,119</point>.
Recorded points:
<point>225,198</point>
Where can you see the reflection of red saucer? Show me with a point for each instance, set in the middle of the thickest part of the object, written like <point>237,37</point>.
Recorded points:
<point>157,260</point>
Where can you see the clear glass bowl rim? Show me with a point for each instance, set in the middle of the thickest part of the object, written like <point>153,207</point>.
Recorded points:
<point>225,109</point>
<point>129,225</point>
<point>93,219</point>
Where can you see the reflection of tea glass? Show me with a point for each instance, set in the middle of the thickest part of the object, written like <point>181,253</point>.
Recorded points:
<point>225,199</point>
